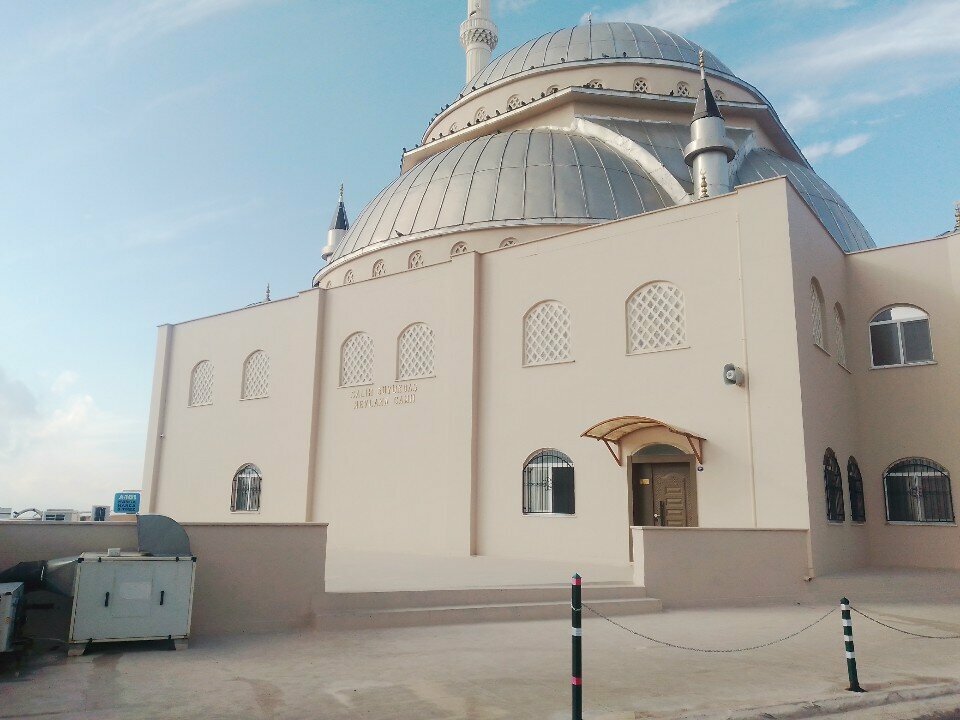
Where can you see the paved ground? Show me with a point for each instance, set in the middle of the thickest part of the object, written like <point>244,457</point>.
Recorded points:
<point>515,670</point>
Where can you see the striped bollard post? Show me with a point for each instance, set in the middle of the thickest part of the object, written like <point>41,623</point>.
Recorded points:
<point>848,646</point>
<point>577,633</point>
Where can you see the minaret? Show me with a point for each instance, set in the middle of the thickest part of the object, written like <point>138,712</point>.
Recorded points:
<point>338,228</point>
<point>478,35</point>
<point>956,217</point>
<point>710,150</point>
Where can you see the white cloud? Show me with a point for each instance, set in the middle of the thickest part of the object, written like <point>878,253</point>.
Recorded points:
<point>64,382</point>
<point>675,15</point>
<point>836,148</point>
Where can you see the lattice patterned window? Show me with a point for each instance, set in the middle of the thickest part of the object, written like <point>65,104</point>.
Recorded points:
<point>256,376</point>
<point>356,360</point>
<point>348,278</point>
<point>546,334</point>
<point>415,261</point>
<point>816,314</point>
<point>683,90</point>
<point>719,95</point>
<point>839,335</point>
<point>415,352</point>
<point>201,384</point>
<point>378,268</point>
<point>459,249</point>
<point>508,242</point>
<point>481,115</point>
<point>858,509</point>
<point>513,103</point>
<point>595,84</point>
<point>656,318</point>
<point>245,496</point>
<point>641,85</point>
<point>833,487</point>
<point>454,127</point>
<point>552,89</point>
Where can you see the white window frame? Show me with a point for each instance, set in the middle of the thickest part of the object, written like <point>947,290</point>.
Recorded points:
<point>903,354</point>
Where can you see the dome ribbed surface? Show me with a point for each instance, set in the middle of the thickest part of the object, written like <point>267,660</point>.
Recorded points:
<point>524,175</point>
<point>599,41</point>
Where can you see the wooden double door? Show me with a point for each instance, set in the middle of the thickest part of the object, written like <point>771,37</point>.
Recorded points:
<point>664,494</point>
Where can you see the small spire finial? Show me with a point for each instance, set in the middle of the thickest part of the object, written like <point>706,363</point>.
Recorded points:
<point>268,293</point>
<point>703,185</point>
<point>341,192</point>
<point>702,64</point>
<point>956,216</point>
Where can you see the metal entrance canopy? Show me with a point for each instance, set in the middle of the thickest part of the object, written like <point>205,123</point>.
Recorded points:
<point>612,431</point>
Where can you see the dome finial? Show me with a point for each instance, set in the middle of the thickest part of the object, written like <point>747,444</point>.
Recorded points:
<point>341,192</point>
<point>702,64</point>
<point>703,185</point>
<point>956,216</point>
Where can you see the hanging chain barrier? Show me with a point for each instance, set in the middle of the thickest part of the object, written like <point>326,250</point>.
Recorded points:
<point>901,630</point>
<point>711,650</point>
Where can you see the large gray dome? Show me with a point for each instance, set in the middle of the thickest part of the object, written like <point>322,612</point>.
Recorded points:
<point>522,175</point>
<point>599,41</point>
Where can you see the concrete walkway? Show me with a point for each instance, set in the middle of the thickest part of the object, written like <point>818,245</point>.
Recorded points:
<point>516,670</point>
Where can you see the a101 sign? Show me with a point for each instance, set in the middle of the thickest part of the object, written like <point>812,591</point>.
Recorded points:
<point>126,503</point>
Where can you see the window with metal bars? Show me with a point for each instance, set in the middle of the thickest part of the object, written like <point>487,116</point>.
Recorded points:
<point>833,487</point>
<point>900,335</point>
<point>858,509</point>
<point>548,484</point>
<point>245,496</point>
<point>918,490</point>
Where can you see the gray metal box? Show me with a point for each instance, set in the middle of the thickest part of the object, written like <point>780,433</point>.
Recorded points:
<point>11,606</point>
<point>131,597</point>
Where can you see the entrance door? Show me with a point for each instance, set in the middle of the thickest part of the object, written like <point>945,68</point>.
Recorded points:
<point>670,506</point>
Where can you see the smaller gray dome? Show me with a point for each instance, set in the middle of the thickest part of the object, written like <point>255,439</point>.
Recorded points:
<point>599,41</point>
<point>524,175</point>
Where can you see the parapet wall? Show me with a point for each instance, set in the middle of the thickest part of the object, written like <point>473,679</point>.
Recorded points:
<point>250,578</point>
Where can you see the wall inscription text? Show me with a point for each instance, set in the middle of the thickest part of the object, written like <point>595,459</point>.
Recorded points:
<point>384,395</point>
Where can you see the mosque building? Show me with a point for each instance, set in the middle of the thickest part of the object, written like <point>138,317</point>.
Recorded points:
<point>606,292</point>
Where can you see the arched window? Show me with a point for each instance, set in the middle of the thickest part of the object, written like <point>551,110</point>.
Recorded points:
<point>201,384</point>
<point>454,127</point>
<point>595,84</point>
<point>548,483</point>
<point>656,318</point>
<point>719,95</point>
<point>900,335</point>
<point>507,242</point>
<point>553,89</point>
<point>816,314</point>
<point>513,103</point>
<point>481,115</point>
<point>356,360</point>
<point>683,89</point>
<point>839,335</point>
<point>378,268</point>
<point>415,352</point>
<point>918,490</point>
<point>245,496</point>
<point>833,487</point>
<point>641,85</point>
<point>459,249</point>
<point>858,509</point>
<point>415,261</point>
<point>256,376</point>
<point>348,278</point>
<point>546,334</point>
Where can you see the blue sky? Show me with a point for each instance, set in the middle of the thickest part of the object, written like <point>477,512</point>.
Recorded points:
<point>166,159</point>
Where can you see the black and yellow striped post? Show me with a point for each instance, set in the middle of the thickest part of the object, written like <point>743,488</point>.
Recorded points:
<point>576,607</point>
<point>848,646</point>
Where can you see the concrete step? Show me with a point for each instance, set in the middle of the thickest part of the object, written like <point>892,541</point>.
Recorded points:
<point>426,615</point>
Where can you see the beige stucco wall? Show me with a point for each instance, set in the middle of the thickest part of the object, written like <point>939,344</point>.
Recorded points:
<point>249,578</point>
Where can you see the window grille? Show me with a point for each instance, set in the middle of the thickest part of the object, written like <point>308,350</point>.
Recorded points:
<point>683,89</point>
<point>839,335</point>
<point>415,352</point>
<point>513,103</point>
<point>858,508</point>
<point>656,318</point>
<point>641,85</point>
<point>918,490</point>
<point>356,360</point>
<point>595,84</point>
<point>246,490</point>
<point>415,261</point>
<point>378,268</point>
<point>256,376</point>
<point>481,115</point>
<point>459,249</point>
<point>348,278</point>
<point>816,314</point>
<point>546,334</point>
<point>201,384</point>
<point>833,487</point>
<point>508,242</point>
<point>548,484</point>
<point>900,335</point>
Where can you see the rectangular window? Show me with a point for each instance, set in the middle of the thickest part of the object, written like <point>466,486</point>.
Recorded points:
<point>563,499</point>
<point>885,341</point>
<point>915,498</point>
<point>916,341</point>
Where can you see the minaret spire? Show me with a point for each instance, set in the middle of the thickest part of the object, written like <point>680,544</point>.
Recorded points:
<point>710,150</point>
<point>338,228</point>
<point>956,217</point>
<point>478,35</point>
